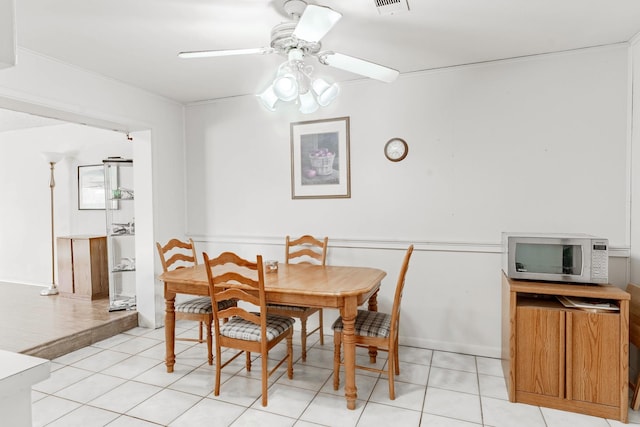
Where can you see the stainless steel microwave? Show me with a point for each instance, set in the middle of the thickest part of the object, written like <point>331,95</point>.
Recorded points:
<point>577,258</point>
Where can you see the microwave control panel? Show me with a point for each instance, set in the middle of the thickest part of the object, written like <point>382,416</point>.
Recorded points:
<point>599,260</point>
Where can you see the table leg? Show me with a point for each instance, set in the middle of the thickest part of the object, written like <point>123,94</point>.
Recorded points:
<point>170,329</point>
<point>373,306</point>
<point>348,313</point>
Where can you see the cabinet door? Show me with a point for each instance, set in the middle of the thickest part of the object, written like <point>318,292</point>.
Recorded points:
<point>593,357</point>
<point>540,335</point>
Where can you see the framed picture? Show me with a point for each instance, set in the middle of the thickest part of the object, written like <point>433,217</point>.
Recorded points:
<point>320,159</point>
<point>91,187</point>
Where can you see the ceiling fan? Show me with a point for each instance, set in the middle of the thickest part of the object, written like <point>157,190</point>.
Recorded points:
<point>301,37</point>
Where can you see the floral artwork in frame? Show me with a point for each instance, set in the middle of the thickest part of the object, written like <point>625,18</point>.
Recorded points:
<point>320,159</point>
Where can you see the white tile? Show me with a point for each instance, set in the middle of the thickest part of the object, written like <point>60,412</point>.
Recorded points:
<point>453,404</point>
<point>195,355</point>
<point>131,367</point>
<point>89,388</point>
<point>256,418</point>
<point>307,377</point>
<point>300,423</point>
<point>502,413</point>
<point>164,407</point>
<point>430,420</point>
<point>158,334</point>
<point>330,410</point>
<point>417,355</point>
<point>54,366</point>
<point>49,409</point>
<point>237,367</point>
<point>491,386</point>
<point>127,421</point>
<point>75,356</point>
<point>36,395</point>
<point>209,412</point>
<point>408,396</point>
<point>364,385</point>
<point>240,390</point>
<point>320,357</point>
<point>135,346</point>
<point>375,414</point>
<point>449,379</point>
<point>139,331</point>
<point>99,361</point>
<point>286,400</point>
<point>159,376</point>
<point>200,381</point>
<point>489,366</point>
<point>556,418</point>
<point>631,423</point>
<point>111,341</point>
<point>159,351</point>
<point>459,362</point>
<point>85,416</point>
<point>60,379</point>
<point>411,373</point>
<point>125,396</point>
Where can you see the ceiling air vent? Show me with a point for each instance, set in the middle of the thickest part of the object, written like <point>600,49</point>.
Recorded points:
<point>389,7</point>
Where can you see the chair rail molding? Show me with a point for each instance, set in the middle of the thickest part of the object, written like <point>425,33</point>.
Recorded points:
<point>420,245</point>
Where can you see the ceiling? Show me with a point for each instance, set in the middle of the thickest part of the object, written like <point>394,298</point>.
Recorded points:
<point>136,42</point>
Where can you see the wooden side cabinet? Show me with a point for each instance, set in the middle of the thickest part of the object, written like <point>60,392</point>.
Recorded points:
<point>566,358</point>
<point>82,267</point>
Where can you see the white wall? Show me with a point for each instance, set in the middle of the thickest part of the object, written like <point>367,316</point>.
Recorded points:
<point>635,167</point>
<point>24,180</point>
<point>50,88</point>
<point>535,144</point>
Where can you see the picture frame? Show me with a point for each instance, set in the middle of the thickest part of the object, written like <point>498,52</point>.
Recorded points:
<point>320,166</point>
<point>91,187</point>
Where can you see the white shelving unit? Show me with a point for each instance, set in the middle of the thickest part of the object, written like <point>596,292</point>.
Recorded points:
<point>119,208</point>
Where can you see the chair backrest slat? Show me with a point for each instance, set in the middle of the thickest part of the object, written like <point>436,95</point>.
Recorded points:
<point>233,278</point>
<point>177,254</point>
<point>306,249</point>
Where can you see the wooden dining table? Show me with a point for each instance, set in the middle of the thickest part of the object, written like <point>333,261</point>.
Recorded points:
<point>343,288</point>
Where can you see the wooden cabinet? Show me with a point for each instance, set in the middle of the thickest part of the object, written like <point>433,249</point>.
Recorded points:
<point>566,358</point>
<point>82,267</point>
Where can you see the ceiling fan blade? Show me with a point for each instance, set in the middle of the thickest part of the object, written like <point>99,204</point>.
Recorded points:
<point>225,52</point>
<point>358,66</point>
<point>315,23</point>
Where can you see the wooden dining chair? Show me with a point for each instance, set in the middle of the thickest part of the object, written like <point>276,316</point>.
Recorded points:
<point>634,337</point>
<point>306,249</point>
<point>375,329</point>
<point>232,278</point>
<point>178,254</point>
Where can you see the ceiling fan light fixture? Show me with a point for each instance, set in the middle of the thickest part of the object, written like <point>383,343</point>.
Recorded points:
<point>268,98</point>
<point>308,103</point>
<point>286,87</point>
<point>325,92</point>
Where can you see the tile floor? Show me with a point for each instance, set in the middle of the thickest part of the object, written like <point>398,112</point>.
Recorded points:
<point>122,381</point>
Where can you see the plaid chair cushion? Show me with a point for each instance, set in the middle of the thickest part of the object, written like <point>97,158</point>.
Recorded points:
<point>201,305</point>
<point>242,329</point>
<point>368,324</point>
<point>289,307</point>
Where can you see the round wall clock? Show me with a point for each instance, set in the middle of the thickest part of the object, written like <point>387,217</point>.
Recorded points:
<point>396,149</point>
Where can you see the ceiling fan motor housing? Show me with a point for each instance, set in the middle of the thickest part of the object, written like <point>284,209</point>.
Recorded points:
<point>282,40</point>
